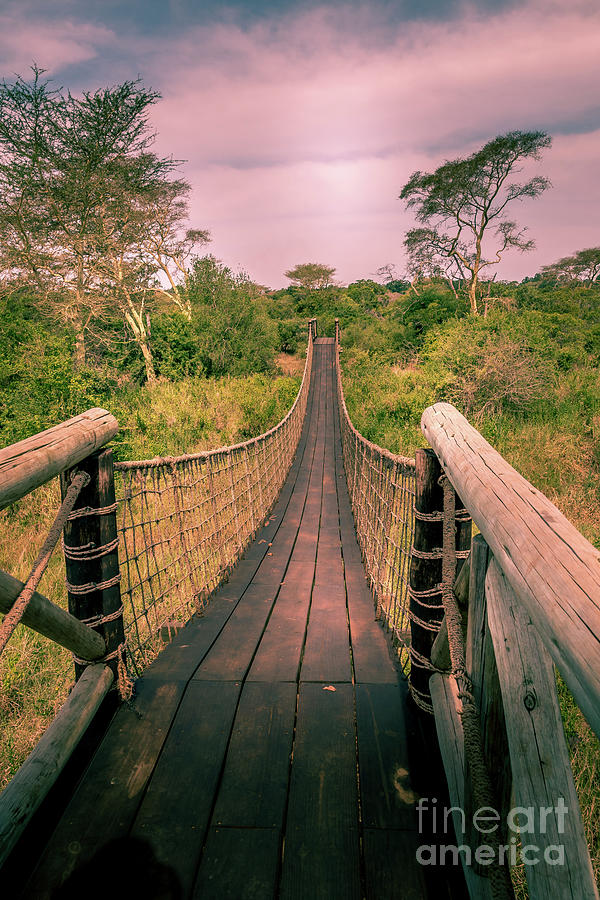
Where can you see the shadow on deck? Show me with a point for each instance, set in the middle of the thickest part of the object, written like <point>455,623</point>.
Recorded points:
<point>266,752</point>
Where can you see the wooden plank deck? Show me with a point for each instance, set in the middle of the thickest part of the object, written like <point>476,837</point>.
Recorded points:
<point>265,753</point>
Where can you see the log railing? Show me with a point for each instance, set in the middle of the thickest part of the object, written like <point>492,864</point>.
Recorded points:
<point>532,597</point>
<point>72,450</point>
<point>182,524</point>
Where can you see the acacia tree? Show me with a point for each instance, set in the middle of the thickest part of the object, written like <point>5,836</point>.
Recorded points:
<point>311,275</point>
<point>424,260</point>
<point>463,205</point>
<point>582,266</point>
<point>169,249</point>
<point>79,189</point>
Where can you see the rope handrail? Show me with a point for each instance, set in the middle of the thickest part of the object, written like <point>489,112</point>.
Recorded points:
<point>381,485</point>
<point>17,611</point>
<point>157,461</point>
<point>184,521</point>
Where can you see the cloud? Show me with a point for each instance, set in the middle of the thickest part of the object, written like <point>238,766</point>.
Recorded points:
<point>300,135</point>
<point>52,44</point>
<point>300,129</point>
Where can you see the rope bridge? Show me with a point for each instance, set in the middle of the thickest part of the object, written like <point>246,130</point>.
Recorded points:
<point>147,542</point>
<point>382,493</point>
<point>184,521</point>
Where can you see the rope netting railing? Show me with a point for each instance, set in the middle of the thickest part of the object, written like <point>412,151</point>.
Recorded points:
<point>382,495</point>
<point>184,521</point>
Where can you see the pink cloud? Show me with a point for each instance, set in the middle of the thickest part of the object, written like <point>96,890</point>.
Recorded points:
<point>300,132</point>
<point>53,45</point>
<point>300,138</point>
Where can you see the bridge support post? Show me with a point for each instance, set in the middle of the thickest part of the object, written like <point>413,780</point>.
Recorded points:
<point>426,608</point>
<point>92,558</point>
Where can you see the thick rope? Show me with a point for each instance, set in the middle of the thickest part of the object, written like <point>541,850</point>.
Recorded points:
<point>483,792</point>
<point>17,611</point>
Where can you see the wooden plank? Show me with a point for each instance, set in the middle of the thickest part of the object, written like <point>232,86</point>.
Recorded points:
<point>391,870</point>
<point>550,566</point>
<point>52,621</point>
<point>327,649</point>
<point>239,864</point>
<point>253,791</point>
<point>181,658</point>
<point>176,808</point>
<point>27,464</point>
<point>542,775</point>
<point>387,796</point>
<point>371,651</point>
<point>444,697</point>
<point>321,855</point>
<point>106,800</point>
<point>280,649</point>
<point>31,784</point>
<point>231,655</point>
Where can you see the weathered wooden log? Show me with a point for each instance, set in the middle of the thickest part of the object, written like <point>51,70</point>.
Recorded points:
<point>24,794</point>
<point>542,776</point>
<point>51,620</point>
<point>34,461</point>
<point>92,556</point>
<point>440,652</point>
<point>552,568</point>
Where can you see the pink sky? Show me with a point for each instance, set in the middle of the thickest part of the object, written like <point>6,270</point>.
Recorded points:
<point>299,130</point>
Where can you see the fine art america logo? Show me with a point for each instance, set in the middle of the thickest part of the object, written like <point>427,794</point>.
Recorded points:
<point>486,825</point>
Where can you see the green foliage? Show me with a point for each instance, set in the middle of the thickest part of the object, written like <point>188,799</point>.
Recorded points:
<point>311,276</point>
<point>462,208</point>
<point>232,330</point>
<point>38,383</point>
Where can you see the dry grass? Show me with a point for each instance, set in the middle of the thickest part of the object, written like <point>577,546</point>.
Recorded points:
<point>290,364</point>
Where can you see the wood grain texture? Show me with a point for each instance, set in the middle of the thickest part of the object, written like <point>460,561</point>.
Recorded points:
<point>104,804</point>
<point>387,796</point>
<point>481,666</point>
<point>239,864</point>
<point>25,792</point>
<point>541,769</point>
<point>176,809</point>
<point>45,617</point>
<point>321,858</point>
<point>27,464</point>
<point>550,566</point>
<point>253,790</point>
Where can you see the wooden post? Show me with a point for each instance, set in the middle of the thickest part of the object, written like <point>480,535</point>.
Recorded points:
<point>481,667</point>
<point>92,558</point>
<point>425,572</point>
<point>337,332</point>
<point>426,564</point>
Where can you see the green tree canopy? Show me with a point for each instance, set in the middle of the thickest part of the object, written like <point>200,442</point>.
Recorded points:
<point>88,212</point>
<point>311,276</point>
<point>582,266</point>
